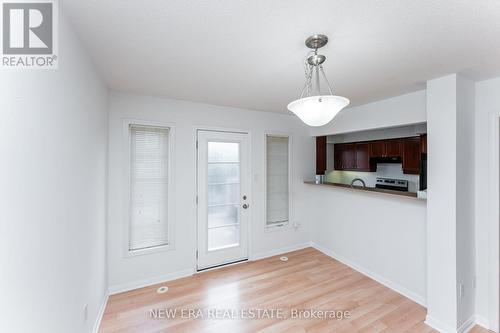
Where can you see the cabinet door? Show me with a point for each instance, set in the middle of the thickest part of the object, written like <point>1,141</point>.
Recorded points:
<point>423,143</point>
<point>320,155</point>
<point>363,156</point>
<point>393,148</point>
<point>349,156</point>
<point>337,156</point>
<point>411,155</point>
<point>377,148</point>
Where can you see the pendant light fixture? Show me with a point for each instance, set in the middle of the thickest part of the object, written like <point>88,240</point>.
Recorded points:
<point>314,108</point>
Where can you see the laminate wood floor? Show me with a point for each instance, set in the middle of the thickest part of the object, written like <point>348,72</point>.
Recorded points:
<point>308,280</point>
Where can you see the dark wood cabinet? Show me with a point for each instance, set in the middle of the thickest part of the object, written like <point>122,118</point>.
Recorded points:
<point>357,156</point>
<point>393,148</point>
<point>386,148</point>
<point>423,143</point>
<point>320,155</point>
<point>352,156</point>
<point>411,155</point>
<point>349,157</point>
<point>344,156</point>
<point>362,156</point>
<point>337,156</point>
<point>377,148</point>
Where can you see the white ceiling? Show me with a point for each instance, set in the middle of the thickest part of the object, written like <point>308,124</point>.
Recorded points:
<point>249,53</point>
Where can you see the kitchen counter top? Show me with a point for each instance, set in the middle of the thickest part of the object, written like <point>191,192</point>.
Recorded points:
<point>366,189</point>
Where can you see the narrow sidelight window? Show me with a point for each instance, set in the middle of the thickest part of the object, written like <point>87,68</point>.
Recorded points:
<point>277,180</point>
<point>149,163</point>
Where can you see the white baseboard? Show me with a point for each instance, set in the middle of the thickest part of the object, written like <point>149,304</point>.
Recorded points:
<point>120,288</point>
<point>467,325</point>
<point>267,254</point>
<point>100,313</point>
<point>439,325</point>
<point>380,279</point>
<point>445,328</point>
<point>482,321</point>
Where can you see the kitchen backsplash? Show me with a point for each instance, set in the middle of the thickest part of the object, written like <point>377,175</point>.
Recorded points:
<point>386,170</point>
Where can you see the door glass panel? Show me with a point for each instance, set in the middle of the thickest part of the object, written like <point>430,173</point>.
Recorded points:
<point>223,237</point>
<point>223,195</point>
<point>223,152</point>
<point>223,173</point>
<point>222,215</point>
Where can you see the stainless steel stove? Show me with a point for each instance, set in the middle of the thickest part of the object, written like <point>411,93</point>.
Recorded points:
<point>392,184</point>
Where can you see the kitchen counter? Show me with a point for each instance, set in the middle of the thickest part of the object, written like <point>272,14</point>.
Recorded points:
<point>366,189</point>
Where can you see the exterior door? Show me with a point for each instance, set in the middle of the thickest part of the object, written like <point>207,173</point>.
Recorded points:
<point>223,197</point>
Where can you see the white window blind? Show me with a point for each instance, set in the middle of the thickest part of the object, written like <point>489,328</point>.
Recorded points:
<point>277,187</point>
<point>149,150</point>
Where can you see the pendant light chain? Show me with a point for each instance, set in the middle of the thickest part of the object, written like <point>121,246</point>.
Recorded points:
<point>307,89</point>
<point>326,80</point>
<point>309,72</point>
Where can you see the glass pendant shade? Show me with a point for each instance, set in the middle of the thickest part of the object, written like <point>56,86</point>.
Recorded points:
<point>318,110</point>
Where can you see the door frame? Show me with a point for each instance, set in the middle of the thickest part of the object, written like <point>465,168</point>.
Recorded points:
<point>195,189</point>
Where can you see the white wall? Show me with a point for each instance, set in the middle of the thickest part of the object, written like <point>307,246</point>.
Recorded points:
<point>380,235</point>
<point>441,203</point>
<point>383,236</point>
<point>379,134</point>
<point>487,105</point>
<point>128,272</point>
<point>53,136</point>
<point>450,209</point>
<point>465,199</point>
<point>401,110</point>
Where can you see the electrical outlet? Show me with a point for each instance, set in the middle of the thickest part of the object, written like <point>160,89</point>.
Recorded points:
<point>85,312</point>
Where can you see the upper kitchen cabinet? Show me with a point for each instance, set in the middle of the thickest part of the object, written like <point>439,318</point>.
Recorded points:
<point>423,143</point>
<point>377,148</point>
<point>349,156</point>
<point>352,156</point>
<point>362,156</point>
<point>337,156</point>
<point>320,155</point>
<point>386,148</point>
<point>393,148</point>
<point>411,155</point>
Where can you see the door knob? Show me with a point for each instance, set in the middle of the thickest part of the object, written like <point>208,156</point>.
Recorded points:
<point>245,206</point>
